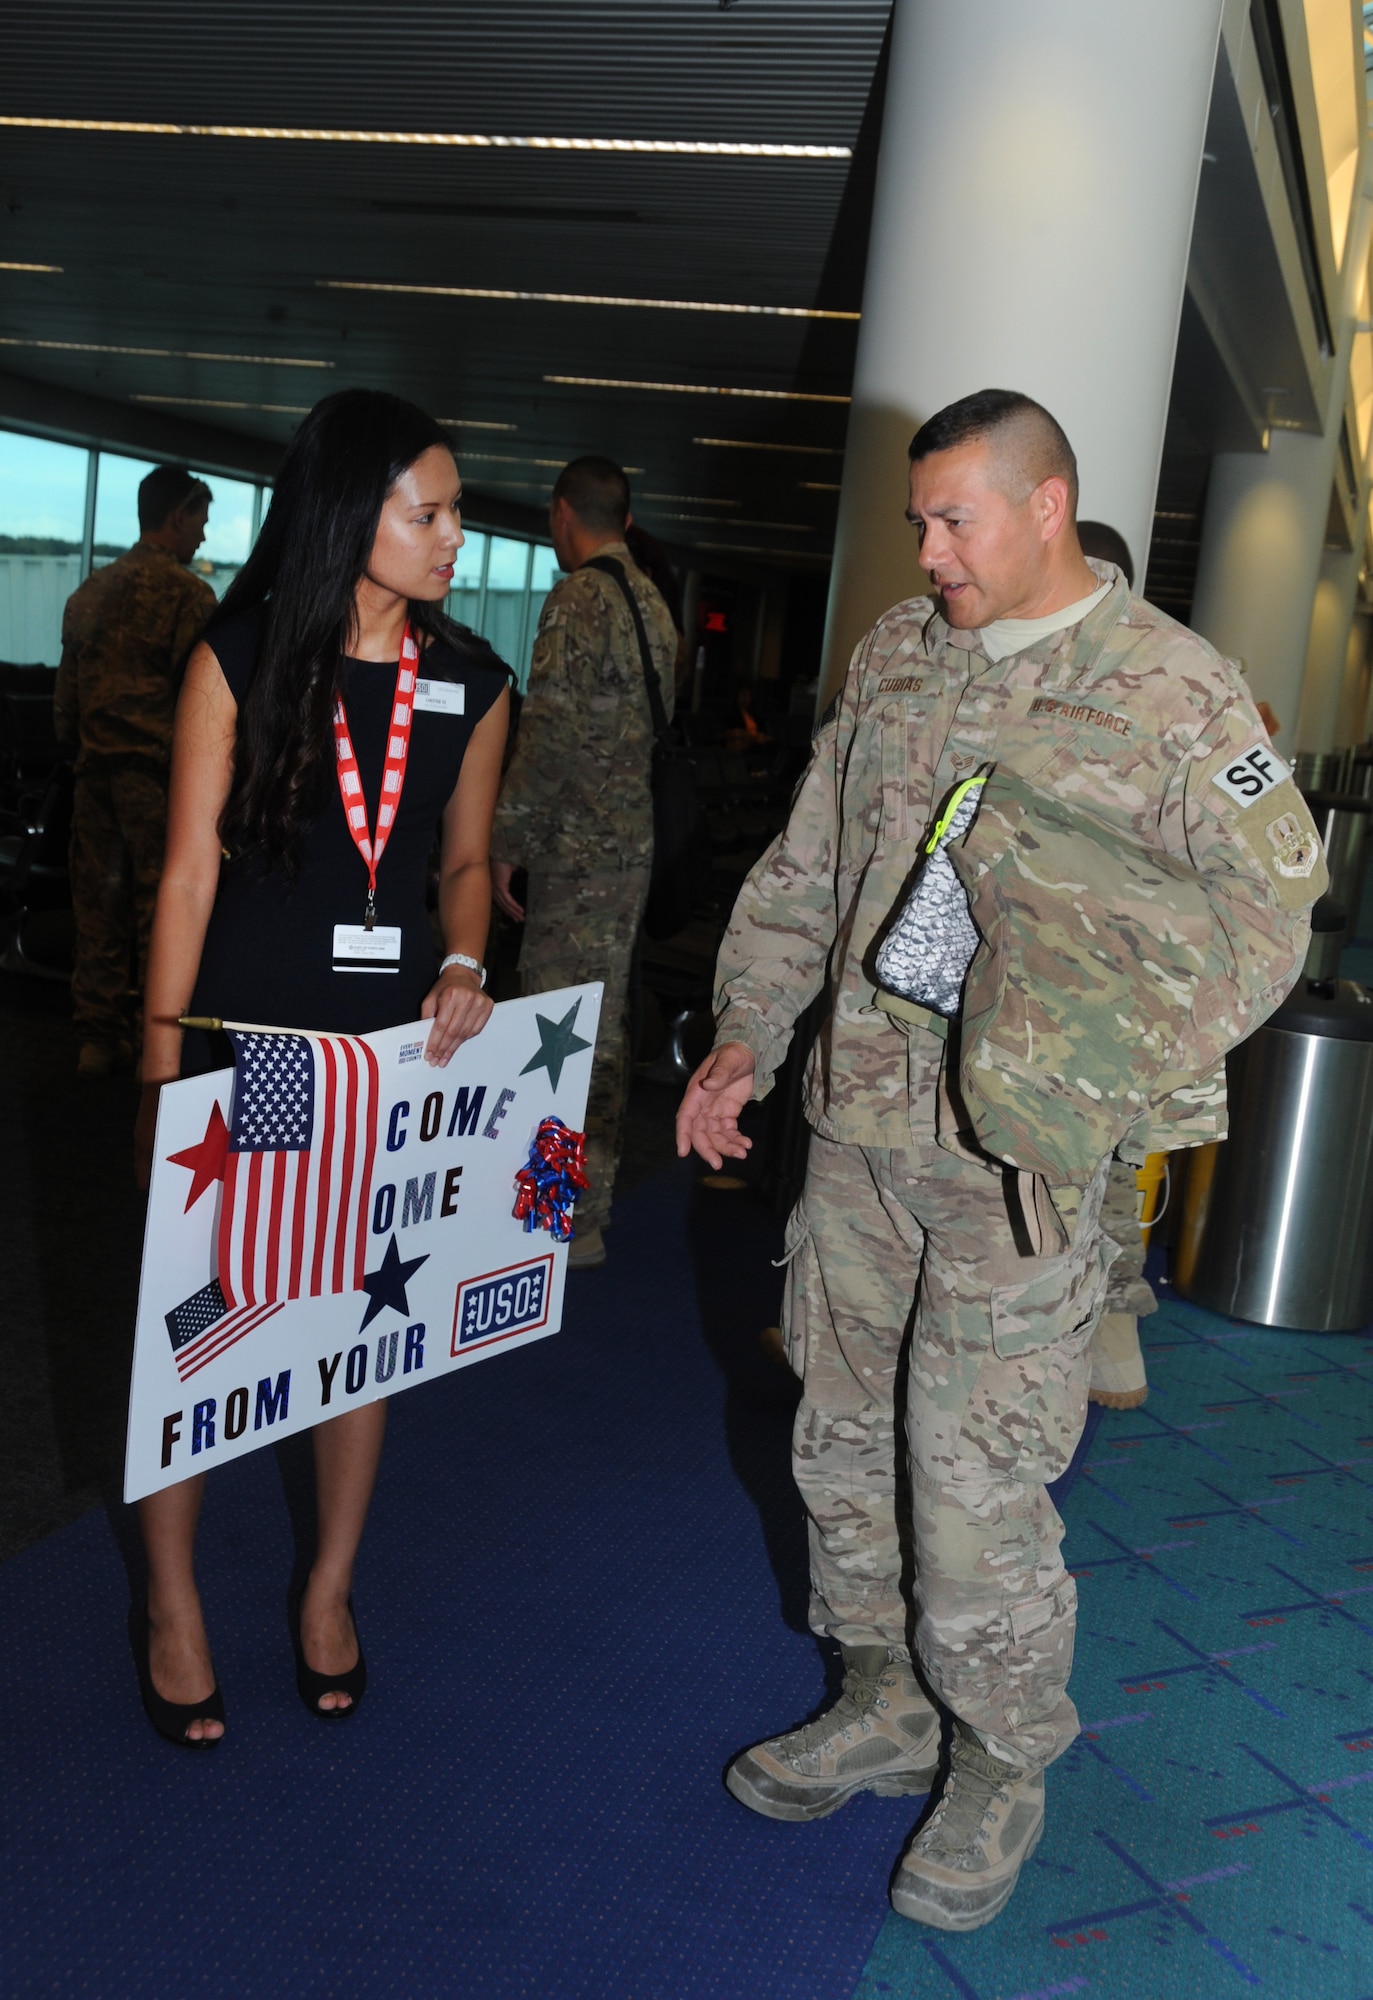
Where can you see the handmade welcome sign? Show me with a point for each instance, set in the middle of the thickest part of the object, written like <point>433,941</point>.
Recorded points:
<point>335,1219</point>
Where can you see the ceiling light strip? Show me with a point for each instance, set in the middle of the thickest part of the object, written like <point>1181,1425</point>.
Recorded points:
<point>220,403</point>
<point>692,389</point>
<point>771,527</point>
<point>754,444</point>
<point>580,299</point>
<point>30,267</point>
<point>692,499</point>
<point>473,424</point>
<point>734,149</point>
<point>554,464</point>
<point>159,353</point>
<point>785,555</point>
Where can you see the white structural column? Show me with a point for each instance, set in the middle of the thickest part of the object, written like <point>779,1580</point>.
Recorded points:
<point>1327,654</point>
<point>1263,543</point>
<point>1033,214</point>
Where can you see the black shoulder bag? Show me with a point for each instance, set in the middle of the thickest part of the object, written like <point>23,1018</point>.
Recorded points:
<point>678,827</point>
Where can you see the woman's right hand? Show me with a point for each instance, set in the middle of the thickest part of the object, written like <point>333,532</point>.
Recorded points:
<point>144,1134</point>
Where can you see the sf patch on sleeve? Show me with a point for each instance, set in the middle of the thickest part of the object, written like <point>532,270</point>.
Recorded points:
<point>1270,815</point>
<point>1247,777</point>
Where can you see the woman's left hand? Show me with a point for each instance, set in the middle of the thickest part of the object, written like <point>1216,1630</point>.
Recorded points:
<point>459,1010</point>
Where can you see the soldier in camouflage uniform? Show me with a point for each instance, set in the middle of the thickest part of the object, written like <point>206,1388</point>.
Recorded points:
<point>939,1305</point>
<point>125,634</point>
<point>576,810</point>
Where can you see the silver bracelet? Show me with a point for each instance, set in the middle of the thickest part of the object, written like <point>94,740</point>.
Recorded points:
<point>461,958</point>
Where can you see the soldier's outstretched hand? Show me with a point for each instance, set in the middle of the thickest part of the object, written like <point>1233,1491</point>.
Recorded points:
<point>708,1117</point>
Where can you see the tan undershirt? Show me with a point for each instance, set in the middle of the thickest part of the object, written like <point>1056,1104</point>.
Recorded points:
<point>1005,636</point>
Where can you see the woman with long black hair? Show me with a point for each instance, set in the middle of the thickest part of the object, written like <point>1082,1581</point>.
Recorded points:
<point>278,894</point>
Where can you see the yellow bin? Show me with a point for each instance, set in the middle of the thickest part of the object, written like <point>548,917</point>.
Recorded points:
<point>1152,1180</point>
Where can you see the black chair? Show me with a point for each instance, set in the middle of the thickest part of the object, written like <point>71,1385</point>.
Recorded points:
<point>35,887</point>
<point>29,749</point>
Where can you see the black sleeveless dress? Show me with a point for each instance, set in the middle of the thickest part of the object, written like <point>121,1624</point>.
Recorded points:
<point>268,954</point>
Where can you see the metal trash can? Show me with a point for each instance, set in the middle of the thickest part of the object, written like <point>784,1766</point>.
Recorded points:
<point>1278,1220</point>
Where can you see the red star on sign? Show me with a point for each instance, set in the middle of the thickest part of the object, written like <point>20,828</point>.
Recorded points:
<point>206,1161</point>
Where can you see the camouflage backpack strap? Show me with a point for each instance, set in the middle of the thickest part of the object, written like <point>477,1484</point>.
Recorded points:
<point>608,566</point>
<point>678,822</point>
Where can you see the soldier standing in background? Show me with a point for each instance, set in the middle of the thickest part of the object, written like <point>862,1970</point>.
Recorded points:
<point>576,808</point>
<point>125,633</point>
<point>1031,660</point>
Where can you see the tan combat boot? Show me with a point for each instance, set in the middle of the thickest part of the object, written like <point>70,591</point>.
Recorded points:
<point>587,1252</point>
<point>964,1862</point>
<point>882,1735</point>
<point>1118,1378</point>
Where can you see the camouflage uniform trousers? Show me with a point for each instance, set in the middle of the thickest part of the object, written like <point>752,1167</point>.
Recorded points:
<point>119,831</point>
<point>955,1552</point>
<point>579,928</point>
<point>1129,1290</point>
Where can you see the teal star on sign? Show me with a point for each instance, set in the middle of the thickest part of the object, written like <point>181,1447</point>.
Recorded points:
<point>557,1041</point>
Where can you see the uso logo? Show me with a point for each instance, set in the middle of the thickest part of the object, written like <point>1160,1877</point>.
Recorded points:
<point>500,1303</point>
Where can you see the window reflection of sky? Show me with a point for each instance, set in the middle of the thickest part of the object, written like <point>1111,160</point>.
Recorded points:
<point>228,537</point>
<point>499,584</point>
<point>42,487</point>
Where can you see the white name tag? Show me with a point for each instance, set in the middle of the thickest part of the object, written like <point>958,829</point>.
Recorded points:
<point>440,697</point>
<point>1258,771</point>
<point>356,949</point>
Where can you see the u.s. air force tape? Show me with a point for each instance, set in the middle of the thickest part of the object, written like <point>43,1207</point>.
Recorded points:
<point>1250,775</point>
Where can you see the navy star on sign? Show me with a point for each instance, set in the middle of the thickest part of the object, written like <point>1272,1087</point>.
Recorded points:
<point>274,1094</point>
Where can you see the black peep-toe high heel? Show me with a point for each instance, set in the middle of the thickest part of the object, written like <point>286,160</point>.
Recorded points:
<point>312,1687</point>
<point>169,1718</point>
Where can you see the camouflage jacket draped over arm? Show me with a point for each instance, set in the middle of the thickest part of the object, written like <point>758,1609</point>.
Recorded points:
<point>1127,714</point>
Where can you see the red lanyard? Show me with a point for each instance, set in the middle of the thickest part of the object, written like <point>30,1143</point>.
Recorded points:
<point>392,775</point>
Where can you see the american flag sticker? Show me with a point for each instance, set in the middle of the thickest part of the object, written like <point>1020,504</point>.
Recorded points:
<point>502,1303</point>
<point>297,1188</point>
<point>202,1328</point>
<point>298,1178</point>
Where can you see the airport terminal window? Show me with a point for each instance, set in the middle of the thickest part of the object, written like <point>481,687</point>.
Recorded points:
<point>232,530</point>
<point>499,585</point>
<point>65,509</point>
<point>469,568</point>
<point>117,480</point>
<point>235,515</point>
<point>42,532</point>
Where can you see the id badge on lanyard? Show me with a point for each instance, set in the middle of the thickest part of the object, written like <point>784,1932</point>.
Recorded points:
<point>370,946</point>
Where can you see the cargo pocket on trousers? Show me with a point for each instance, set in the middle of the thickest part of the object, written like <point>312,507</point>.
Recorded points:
<point>796,1259</point>
<point>1061,1303</point>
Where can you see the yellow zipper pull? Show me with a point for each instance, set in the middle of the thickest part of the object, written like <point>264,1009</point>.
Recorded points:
<point>946,817</point>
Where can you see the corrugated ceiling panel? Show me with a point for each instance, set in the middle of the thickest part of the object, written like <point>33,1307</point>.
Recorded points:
<point>217,246</point>
<point>794,70</point>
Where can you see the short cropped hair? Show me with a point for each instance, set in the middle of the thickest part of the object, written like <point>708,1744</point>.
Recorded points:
<point>166,488</point>
<point>596,490</point>
<point>1031,444</point>
<point>1107,544</point>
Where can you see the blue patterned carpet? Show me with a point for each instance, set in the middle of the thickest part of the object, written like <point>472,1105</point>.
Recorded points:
<point>1211,1833</point>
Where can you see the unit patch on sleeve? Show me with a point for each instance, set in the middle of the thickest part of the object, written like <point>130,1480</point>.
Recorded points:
<point>1295,847</point>
<point>1256,771</point>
